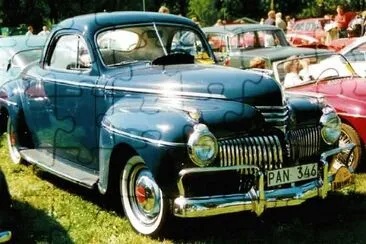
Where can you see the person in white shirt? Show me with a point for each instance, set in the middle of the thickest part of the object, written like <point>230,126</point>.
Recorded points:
<point>44,31</point>
<point>296,72</point>
<point>280,22</point>
<point>30,31</point>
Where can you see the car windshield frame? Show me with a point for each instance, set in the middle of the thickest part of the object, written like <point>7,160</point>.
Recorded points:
<point>156,31</point>
<point>315,71</point>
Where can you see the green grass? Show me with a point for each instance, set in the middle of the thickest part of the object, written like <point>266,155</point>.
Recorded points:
<point>51,210</point>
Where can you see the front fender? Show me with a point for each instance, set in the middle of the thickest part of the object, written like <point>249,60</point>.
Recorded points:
<point>158,129</point>
<point>155,131</point>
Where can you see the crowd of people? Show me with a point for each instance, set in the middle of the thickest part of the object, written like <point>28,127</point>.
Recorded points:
<point>342,24</point>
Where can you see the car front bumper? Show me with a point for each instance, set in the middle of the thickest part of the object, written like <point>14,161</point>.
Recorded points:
<point>256,200</point>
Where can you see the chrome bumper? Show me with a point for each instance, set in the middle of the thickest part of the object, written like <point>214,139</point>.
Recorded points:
<point>256,200</point>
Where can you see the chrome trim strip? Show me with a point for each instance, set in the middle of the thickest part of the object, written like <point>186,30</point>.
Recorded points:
<point>152,141</point>
<point>8,102</point>
<point>140,90</point>
<point>271,107</point>
<point>352,115</point>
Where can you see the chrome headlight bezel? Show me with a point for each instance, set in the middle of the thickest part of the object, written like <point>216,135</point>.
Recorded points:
<point>202,135</point>
<point>331,125</point>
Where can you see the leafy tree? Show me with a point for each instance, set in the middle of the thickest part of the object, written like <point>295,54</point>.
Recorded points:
<point>204,10</point>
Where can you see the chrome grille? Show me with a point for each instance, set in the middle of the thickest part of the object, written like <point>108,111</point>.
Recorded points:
<point>274,115</point>
<point>304,142</point>
<point>262,151</point>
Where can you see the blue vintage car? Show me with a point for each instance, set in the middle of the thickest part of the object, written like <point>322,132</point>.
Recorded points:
<point>132,103</point>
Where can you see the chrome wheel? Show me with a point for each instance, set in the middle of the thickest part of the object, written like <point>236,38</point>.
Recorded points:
<point>141,197</point>
<point>348,158</point>
<point>12,143</point>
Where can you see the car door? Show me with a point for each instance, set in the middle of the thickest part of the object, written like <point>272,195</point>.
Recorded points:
<point>65,126</point>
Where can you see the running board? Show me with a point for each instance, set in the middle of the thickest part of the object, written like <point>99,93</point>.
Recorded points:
<point>60,167</point>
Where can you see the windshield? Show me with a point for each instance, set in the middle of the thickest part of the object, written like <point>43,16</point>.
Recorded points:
<point>296,71</point>
<point>149,42</point>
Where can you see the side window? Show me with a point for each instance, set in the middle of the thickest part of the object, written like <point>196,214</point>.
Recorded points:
<point>299,27</point>
<point>70,53</point>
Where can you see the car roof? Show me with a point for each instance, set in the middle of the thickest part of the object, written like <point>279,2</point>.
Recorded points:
<point>19,43</point>
<point>236,29</point>
<point>94,22</point>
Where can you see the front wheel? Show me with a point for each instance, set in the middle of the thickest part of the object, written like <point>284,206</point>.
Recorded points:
<point>349,135</point>
<point>13,146</point>
<point>142,199</point>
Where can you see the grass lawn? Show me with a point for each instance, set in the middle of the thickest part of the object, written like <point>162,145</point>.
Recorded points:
<point>51,210</point>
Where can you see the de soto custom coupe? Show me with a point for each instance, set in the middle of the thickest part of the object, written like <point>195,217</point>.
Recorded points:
<point>132,103</point>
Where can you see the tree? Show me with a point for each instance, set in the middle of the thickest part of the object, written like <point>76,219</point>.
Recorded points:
<point>204,10</point>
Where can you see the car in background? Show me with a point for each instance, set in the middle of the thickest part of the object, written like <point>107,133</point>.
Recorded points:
<point>16,52</point>
<point>237,45</point>
<point>313,27</point>
<point>135,110</point>
<point>300,40</point>
<point>355,52</point>
<point>331,78</point>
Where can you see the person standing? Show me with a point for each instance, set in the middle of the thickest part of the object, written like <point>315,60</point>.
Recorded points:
<point>280,22</point>
<point>271,20</point>
<point>341,21</point>
<point>44,32</point>
<point>30,31</point>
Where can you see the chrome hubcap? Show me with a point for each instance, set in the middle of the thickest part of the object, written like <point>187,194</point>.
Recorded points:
<point>343,140</point>
<point>147,195</point>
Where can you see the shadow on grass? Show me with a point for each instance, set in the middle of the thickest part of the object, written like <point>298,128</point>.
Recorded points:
<point>336,219</point>
<point>30,225</point>
<point>106,202</point>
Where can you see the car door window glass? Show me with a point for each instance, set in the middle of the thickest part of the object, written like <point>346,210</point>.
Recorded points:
<point>70,53</point>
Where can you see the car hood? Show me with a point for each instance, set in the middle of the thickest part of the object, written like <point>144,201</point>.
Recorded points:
<point>280,53</point>
<point>200,81</point>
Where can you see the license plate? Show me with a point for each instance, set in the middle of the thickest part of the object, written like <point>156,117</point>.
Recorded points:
<point>292,174</point>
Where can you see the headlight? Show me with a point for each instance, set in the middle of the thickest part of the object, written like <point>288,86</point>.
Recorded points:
<point>202,146</point>
<point>331,123</point>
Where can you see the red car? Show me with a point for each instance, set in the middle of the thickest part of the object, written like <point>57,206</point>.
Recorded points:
<point>313,27</point>
<point>330,77</point>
